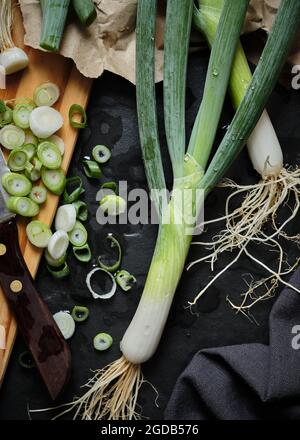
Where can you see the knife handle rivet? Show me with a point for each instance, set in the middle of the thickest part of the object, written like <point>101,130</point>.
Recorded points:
<point>2,249</point>
<point>16,286</point>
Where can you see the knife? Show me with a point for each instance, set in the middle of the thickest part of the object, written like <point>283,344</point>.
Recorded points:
<point>35,322</point>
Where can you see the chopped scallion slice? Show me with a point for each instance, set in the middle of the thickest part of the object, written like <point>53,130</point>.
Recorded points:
<point>38,233</point>
<point>85,10</point>
<point>12,137</point>
<point>58,244</point>
<point>45,121</point>
<point>21,113</point>
<point>59,142</point>
<point>38,194</point>
<point>80,313</point>
<point>101,153</point>
<point>46,94</point>
<point>16,184</point>
<point>109,262</point>
<point>30,138</point>
<point>55,262</point>
<point>110,185</point>
<point>65,323</point>
<point>77,109</point>
<point>78,236</point>
<point>101,295</point>
<point>102,341</point>
<point>81,210</point>
<point>30,150</point>
<point>59,272</point>
<point>17,160</point>
<point>22,206</point>
<point>125,280</point>
<point>54,180</point>
<point>73,189</point>
<point>92,169</point>
<point>65,218</point>
<point>113,204</point>
<point>49,155</point>
<point>82,253</point>
<point>6,117</point>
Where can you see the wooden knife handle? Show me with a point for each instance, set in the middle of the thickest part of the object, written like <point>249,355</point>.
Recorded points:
<point>35,321</point>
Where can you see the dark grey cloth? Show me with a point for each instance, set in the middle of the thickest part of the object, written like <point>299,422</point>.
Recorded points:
<point>249,381</point>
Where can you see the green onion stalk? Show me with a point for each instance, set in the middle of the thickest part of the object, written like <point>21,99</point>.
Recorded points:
<point>261,201</point>
<point>113,391</point>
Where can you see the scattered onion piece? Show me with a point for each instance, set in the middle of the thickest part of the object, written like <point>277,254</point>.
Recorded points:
<point>96,295</point>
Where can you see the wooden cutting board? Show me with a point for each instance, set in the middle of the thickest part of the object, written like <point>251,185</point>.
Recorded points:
<point>75,88</point>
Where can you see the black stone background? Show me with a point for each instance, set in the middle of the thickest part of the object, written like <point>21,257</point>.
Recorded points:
<point>112,121</point>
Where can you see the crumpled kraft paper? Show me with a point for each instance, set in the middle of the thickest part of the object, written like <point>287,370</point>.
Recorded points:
<point>109,43</point>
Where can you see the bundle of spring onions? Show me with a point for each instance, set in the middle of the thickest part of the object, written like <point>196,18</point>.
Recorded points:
<point>113,391</point>
<point>12,58</point>
<point>245,224</point>
<point>54,19</point>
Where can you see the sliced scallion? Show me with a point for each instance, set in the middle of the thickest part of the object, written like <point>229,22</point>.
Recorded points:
<point>30,150</point>
<point>16,184</point>
<point>77,109</point>
<point>53,24</point>
<point>73,189</point>
<point>110,185</point>
<point>22,206</point>
<point>17,160</point>
<point>21,113</point>
<point>78,236</point>
<point>85,10</point>
<point>30,138</point>
<point>46,94</point>
<point>59,272</point>
<point>45,121</point>
<point>82,253</point>
<point>38,233</point>
<point>6,117</point>
<point>101,153</point>
<point>125,280</point>
<point>102,294</point>
<point>58,244</point>
<point>12,137</point>
<point>80,313</point>
<point>33,171</point>
<point>58,262</point>
<point>65,218</point>
<point>81,210</point>
<point>38,194</point>
<point>54,180</point>
<point>65,323</point>
<point>113,205</point>
<point>58,141</point>
<point>106,260</point>
<point>49,155</point>
<point>102,341</point>
<point>92,169</point>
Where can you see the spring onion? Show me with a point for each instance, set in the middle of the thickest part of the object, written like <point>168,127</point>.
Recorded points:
<point>26,360</point>
<point>22,206</point>
<point>78,235</point>
<point>125,280</point>
<point>85,10</point>
<point>107,261</point>
<point>6,116</point>
<point>65,219</point>
<point>38,233</point>
<point>49,155</point>
<point>30,150</point>
<point>76,110</point>
<point>80,313</point>
<point>91,169</point>
<point>30,138</point>
<point>33,171</point>
<point>45,121</point>
<point>73,189</point>
<point>12,58</point>
<point>82,253</point>
<point>113,205</point>
<point>110,185</point>
<point>81,210</point>
<point>22,111</point>
<point>54,180</point>
<point>102,342</point>
<point>16,184</point>
<point>59,272</point>
<point>101,153</point>
<point>58,244</point>
<point>59,142</point>
<point>17,160</point>
<point>65,323</point>
<point>46,94</point>
<point>55,262</point>
<point>12,137</point>
<point>53,23</point>
<point>38,194</point>
<point>107,275</point>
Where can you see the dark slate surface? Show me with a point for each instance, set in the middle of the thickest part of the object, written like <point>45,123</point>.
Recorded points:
<point>112,121</point>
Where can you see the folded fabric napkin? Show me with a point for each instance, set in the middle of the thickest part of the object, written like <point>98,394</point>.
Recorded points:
<point>248,381</point>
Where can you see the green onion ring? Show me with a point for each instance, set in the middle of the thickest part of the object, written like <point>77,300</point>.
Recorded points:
<point>113,243</point>
<point>77,109</point>
<point>102,341</point>
<point>81,210</point>
<point>110,185</point>
<point>60,272</point>
<point>75,194</point>
<point>80,313</point>
<point>82,253</point>
<point>123,278</point>
<point>92,169</point>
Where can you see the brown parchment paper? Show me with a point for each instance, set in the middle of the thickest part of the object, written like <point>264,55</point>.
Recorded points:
<point>109,43</point>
